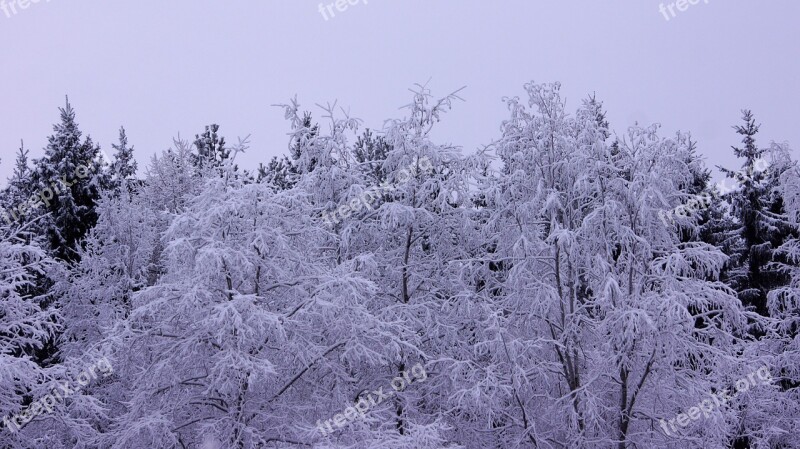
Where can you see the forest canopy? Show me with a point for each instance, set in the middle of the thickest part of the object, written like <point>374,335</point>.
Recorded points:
<point>570,285</point>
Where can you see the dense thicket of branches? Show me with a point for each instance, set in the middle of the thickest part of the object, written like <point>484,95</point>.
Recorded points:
<point>566,287</point>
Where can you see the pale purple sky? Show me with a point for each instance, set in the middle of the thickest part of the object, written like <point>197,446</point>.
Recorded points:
<point>166,67</point>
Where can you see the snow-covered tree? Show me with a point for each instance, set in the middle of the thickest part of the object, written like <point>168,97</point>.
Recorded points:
<point>171,179</point>
<point>123,169</point>
<point>28,325</point>
<point>119,259</point>
<point>19,188</point>
<point>566,286</point>
<point>69,179</point>
<point>772,416</point>
<point>370,151</point>
<point>250,333</point>
<point>280,173</point>
<point>594,338</point>
<point>211,148</point>
<point>757,206</point>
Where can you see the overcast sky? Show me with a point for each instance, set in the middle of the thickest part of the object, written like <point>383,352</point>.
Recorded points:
<point>161,68</point>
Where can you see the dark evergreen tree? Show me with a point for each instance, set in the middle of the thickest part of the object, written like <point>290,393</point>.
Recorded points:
<point>718,227</point>
<point>714,224</point>
<point>370,152</point>
<point>19,189</point>
<point>68,180</point>
<point>283,172</point>
<point>211,149</point>
<point>123,169</point>
<point>22,172</point>
<point>280,173</point>
<point>760,226</point>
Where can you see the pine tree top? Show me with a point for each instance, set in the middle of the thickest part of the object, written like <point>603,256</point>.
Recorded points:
<point>750,151</point>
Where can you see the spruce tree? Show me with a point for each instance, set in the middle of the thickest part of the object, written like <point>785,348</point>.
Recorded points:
<point>759,226</point>
<point>123,169</point>
<point>68,180</point>
<point>19,188</point>
<point>21,169</point>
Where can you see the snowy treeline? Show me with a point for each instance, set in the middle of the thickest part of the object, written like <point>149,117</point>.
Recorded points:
<point>529,295</point>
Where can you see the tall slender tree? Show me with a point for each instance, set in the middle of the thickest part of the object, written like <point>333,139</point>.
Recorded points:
<point>760,227</point>
<point>123,168</point>
<point>19,189</point>
<point>69,179</point>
